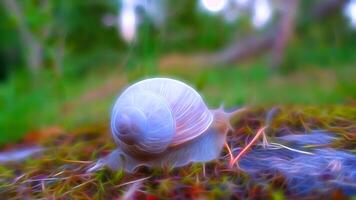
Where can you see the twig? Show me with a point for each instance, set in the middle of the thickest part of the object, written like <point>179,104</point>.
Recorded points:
<point>130,182</point>
<point>259,133</point>
<point>77,161</point>
<point>291,149</point>
<point>229,151</point>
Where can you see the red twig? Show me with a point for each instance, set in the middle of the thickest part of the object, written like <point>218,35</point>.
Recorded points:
<point>259,133</point>
<point>229,151</point>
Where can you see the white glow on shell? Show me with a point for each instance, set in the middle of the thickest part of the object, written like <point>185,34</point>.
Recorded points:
<point>127,24</point>
<point>350,12</point>
<point>214,5</point>
<point>262,13</point>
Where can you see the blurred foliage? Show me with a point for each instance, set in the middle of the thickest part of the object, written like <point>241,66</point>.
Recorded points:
<point>318,68</point>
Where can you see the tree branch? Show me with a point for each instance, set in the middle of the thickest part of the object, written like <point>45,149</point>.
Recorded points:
<point>275,40</point>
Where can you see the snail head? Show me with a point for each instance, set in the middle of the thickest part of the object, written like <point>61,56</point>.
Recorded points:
<point>222,119</point>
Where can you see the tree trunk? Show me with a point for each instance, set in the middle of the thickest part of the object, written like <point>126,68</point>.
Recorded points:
<point>285,31</point>
<point>33,51</point>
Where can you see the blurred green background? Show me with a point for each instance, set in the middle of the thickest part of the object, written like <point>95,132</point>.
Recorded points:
<point>63,63</point>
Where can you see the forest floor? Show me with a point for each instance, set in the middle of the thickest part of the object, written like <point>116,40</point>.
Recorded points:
<point>59,159</point>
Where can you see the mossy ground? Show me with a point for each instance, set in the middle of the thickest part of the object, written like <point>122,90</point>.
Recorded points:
<point>60,172</point>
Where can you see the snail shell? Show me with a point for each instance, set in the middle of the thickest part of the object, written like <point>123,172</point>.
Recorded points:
<point>160,122</point>
<point>158,113</point>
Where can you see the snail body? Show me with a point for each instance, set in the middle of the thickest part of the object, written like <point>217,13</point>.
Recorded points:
<point>165,122</point>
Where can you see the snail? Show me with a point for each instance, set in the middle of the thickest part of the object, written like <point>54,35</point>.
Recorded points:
<point>165,122</point>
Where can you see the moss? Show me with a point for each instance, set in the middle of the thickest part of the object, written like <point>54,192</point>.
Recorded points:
<point>61,171</point>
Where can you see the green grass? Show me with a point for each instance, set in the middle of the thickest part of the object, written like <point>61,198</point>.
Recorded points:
<point>257,85</point>
<point>27,105</point>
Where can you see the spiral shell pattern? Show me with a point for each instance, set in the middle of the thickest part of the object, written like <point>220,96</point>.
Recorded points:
<point>167,112</point>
